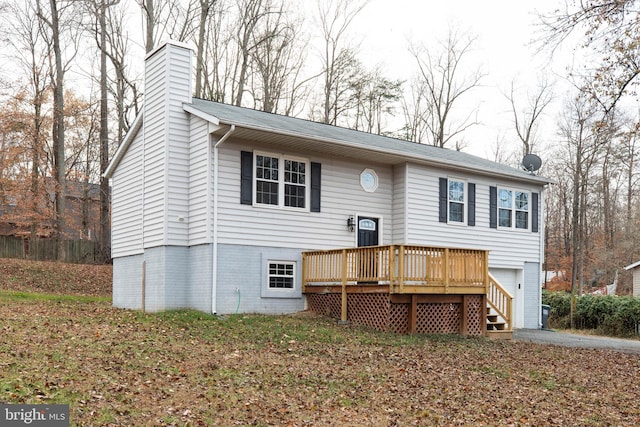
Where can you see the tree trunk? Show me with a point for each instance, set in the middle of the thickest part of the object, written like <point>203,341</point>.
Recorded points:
<point>35,164</point>
<point>58,132</point>
<point>150,25</point>
<point>575,226</point>
<point>105,229</point>
<point>202,30</point>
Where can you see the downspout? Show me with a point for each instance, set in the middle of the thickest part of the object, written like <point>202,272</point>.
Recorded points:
<point>541,229</point>
<point>214,250</point>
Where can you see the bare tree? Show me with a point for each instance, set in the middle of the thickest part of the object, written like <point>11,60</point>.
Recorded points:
<point>51,19</point>
<point>99,11</point>
<point>148,7</point>
<point>217,68</point>
<point>166,18</point>
<point>82,146</point>
<point>338,56</point>
<point>415,111</point>
<point>278,59</point>
<point>580,156</point>
<point>30,48</point>
<point>206,7</point>
<point>375,97</point>
<point>444,84</point>
<point>125,87</point>
<point>250,13</point>
<point>526,120</point>
<point>629,155</point>
<point>610,30</point>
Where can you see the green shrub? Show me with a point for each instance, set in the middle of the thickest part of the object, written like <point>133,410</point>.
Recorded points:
<point>607,314</point>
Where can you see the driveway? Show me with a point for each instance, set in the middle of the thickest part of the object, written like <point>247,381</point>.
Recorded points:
<point>546,336</point>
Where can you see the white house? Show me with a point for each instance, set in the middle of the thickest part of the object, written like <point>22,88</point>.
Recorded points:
<point>213,205</point>
<point>635,271</point>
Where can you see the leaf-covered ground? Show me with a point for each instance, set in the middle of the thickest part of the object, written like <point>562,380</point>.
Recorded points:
<point>118,367</point>
<point>56,278</point>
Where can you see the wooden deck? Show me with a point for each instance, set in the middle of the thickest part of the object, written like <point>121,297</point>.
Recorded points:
<point>409,272</point>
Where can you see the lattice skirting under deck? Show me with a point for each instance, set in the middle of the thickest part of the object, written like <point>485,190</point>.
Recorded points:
<point>379,312</point>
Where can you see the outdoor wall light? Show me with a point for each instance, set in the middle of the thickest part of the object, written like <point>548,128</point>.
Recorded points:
<point>351,223</point>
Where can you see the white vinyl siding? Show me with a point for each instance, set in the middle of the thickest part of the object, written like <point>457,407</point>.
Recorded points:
<point>509,248</point>
<point>154,178</point>
<point>126,203</point>
<point>399,218</point>
<point>166,157</point>
<point>200,185</point>
<point>341,196</point>
<point>532,295</point>
<point>636,282</point>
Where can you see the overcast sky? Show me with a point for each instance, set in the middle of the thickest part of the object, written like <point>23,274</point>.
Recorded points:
<point>504,30</point>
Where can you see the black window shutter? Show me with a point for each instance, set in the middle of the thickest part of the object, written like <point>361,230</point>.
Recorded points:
<point>534,212</point>
<point>493,207</point>
<point>471,204</point>
<point>443,200</point>
<point>316,178</point>
<point>246,178</point>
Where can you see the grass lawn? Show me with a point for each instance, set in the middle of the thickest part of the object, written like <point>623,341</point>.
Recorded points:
<point>117,367</point>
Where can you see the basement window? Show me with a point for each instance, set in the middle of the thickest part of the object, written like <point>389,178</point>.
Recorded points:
<point>281,275</point>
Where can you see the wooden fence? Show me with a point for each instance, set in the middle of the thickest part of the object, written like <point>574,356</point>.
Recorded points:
<point>11,247</point>
<point>76,251</point>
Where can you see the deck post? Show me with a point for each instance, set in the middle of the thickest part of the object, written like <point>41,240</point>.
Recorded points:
<point>509,313</point>
<point>464,327</point>
<point>483,316</point>
<point>445,269</point>
<point>343,318</point>
<point>401,255</point>
<point>486,272</point>
<point>413,314</point>
<point>393,283</point>
<point>305,273</point>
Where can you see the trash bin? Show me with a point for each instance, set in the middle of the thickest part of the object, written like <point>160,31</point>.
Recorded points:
<point>545,315</point>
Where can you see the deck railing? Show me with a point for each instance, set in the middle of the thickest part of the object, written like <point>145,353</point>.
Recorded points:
<point>500,300</point>
<point>405,268</point>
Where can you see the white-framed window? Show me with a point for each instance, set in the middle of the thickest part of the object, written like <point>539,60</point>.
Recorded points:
<point>281,181</point>
<point>369,180</point>
<point>456,199</point>
<point>282,275</point>
<point>513,208</point>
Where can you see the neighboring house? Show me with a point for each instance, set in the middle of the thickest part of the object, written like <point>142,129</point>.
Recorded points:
<point>82,213</point>
<point>213,205</point>
<point>635,270</point>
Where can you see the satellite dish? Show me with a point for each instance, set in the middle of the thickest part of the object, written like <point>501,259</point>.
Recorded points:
<point>531,163</point>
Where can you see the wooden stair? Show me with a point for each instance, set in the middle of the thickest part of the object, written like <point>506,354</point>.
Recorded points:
<point>496,327</point>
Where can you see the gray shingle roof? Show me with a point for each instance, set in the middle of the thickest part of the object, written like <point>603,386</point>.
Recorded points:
<point>268,122</point>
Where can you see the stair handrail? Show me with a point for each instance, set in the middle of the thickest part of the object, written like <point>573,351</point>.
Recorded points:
<point>500,300</point>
